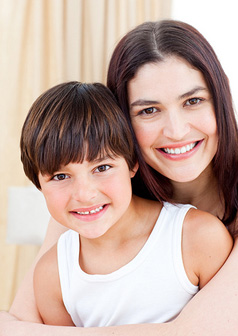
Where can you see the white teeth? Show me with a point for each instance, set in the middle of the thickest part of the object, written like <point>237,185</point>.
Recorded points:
<point>180,150</point>
<point>90,212</point>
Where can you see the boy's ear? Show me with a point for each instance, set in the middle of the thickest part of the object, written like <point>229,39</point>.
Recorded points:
<point>134,170</point>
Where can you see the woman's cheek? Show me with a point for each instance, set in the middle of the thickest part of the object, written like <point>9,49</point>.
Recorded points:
<point>140,131</point>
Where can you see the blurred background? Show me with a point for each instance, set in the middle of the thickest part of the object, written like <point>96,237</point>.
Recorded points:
<point>46,42</point>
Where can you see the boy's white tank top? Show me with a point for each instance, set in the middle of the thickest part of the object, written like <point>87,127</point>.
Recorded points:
<point>152,288</point>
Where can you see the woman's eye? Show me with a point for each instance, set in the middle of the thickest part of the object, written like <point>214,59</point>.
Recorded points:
<point>149,110</point>
<point>102,168</point>
<point>60,177</point>
<point>193,101</point>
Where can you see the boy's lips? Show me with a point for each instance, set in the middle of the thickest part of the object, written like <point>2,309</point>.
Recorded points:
<point>89,211</point>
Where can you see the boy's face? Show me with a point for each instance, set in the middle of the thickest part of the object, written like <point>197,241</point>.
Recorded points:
<point>89,197</point>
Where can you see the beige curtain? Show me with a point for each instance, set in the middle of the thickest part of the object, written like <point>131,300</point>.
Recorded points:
<point>42,43</point>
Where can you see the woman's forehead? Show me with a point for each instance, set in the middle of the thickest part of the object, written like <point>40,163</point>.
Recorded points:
<point>172,77</point>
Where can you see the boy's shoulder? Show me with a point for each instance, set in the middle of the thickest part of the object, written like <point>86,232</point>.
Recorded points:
<point>200,225</point>
<point>46,273</point>
<point>206,244</point>
<point>48,260</point>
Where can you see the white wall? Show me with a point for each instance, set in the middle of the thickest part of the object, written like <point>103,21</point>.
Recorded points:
<point>217,20</point>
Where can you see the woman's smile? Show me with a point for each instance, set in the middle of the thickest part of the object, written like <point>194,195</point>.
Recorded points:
<point>175,152</point>
<point>179,150</point>
<point>173,117</point>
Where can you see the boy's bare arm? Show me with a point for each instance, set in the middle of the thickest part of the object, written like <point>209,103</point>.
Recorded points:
<point>47,291</point>
<point>212,312</point>
<point>24,304</point>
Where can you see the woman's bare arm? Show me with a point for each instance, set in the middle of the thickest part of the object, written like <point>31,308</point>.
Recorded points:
<point>213,311</point>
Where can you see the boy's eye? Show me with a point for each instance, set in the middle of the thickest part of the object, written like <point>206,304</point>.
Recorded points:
<point>60,177</point>
<point>193,101</point>
<point>102,168</point>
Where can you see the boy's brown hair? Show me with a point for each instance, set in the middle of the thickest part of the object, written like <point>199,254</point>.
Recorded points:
<point>72,122</point>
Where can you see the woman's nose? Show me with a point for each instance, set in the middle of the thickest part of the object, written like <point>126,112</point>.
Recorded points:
<point>176,125</point>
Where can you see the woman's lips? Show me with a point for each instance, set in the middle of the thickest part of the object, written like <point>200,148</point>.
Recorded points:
<point>180,152</point>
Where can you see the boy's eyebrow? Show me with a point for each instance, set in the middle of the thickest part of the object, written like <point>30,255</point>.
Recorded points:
<point>103,158</point>
<point>145,102</point>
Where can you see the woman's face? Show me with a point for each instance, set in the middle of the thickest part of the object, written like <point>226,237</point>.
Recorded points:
<point>173,117</point>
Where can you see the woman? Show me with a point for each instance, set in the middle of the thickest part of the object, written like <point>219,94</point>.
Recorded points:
<point>176,96</point>
<point>168,81</point>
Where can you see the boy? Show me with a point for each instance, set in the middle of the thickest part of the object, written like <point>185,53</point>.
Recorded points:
<point>124,259</point>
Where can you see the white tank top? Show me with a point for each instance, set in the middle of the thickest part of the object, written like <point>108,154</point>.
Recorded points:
<point>152,288</point>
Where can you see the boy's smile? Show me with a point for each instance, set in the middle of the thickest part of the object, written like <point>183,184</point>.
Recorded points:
<point>91,213</point>
<point>89,197</point>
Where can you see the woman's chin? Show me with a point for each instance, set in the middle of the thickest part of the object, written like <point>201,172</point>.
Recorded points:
<point>183,177</point>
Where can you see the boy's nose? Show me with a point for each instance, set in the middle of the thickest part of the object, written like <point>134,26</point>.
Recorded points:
<point>84,190</point>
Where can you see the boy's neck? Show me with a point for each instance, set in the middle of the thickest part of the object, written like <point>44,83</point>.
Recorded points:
<point>131,224</point>
<point>123,241</point>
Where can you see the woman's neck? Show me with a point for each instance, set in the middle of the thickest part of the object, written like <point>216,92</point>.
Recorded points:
<point>202,192</point>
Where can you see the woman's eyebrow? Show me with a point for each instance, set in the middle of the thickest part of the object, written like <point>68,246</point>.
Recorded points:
<point>193,91</point>
<point>147,102</point>
<point>144,102</point>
